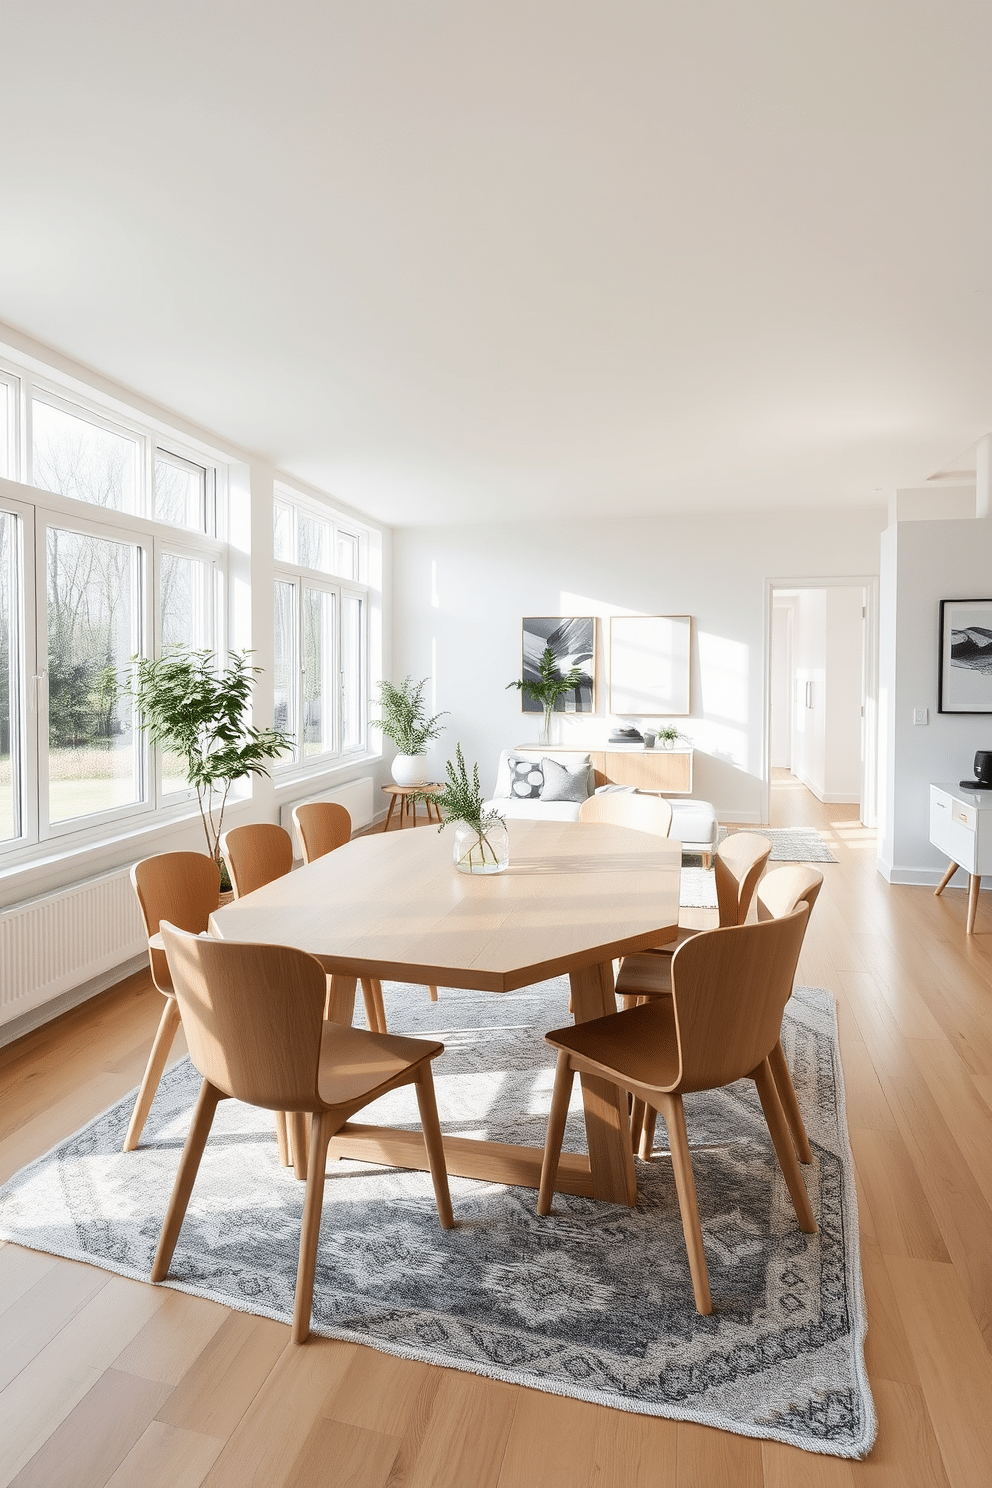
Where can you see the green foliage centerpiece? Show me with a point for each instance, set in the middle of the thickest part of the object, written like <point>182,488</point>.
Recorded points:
<point>550,685</point>
<point>405,721</point>
<point>200,714</point>
<point>481,841</point>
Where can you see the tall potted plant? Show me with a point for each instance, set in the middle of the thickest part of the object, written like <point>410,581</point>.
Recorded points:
<point>200,714</point>
<point>405,721</point>
<point>549,686</point>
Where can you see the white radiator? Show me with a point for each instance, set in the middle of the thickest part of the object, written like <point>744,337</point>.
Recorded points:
<point>355,796</point>
<point>54,943</point>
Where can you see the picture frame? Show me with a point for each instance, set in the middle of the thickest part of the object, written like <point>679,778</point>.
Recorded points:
<point>964,681</point>
<point>573,643</point>
<point>650,665</point>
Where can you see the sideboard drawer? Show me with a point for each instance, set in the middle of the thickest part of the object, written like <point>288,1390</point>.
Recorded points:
<point>950,829</point>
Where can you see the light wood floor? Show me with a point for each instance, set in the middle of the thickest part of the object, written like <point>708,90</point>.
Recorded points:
<point>108,1381</point>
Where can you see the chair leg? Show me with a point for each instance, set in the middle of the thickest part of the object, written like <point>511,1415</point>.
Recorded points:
<point>434,1144</point>
<point>782,1076</point>
<point>297,1127</point>
<point>325,1124</point>
<point>282,1140</point>
<point>560,1097</point>
<point>164,1036</point>
<point>369,985</point>
<point>189,1163</point>
<point>433,993</point>
<point>685,1187</point>
<point>636,1124</point>
<point>777,1125</point>
<point>647,1133</point>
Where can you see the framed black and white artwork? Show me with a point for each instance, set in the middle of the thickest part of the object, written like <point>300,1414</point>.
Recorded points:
<point>649,665</point>
<point>573,644</point>
<point>965,681</point>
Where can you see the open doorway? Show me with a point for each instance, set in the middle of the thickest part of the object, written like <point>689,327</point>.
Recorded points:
<point>822,667</point>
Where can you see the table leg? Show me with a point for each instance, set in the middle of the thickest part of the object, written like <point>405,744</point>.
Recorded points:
<point>607,1121</point>
<point>974,886</point>
<point>389,814</point>
<point>945,880</point>
<point>340,1007</point>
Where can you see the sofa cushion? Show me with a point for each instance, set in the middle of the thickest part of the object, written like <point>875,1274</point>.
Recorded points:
<point>570,758</point>
<point>526,779</point>
<point>516,810</point>
<point>564,782</point>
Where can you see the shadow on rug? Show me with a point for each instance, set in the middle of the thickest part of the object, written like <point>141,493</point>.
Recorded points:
<point>594,1302</point>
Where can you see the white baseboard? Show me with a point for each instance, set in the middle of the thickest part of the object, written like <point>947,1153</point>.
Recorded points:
<point>36,1017</point>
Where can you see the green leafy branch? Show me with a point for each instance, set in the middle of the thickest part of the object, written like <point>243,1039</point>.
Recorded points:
<point>550,685</point>
<point>404,717</point>
<point>462,800</point>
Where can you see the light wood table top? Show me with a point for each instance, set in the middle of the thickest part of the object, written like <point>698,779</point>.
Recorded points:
<point>575,896</point>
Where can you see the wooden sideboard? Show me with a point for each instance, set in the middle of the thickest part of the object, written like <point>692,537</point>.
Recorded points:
<point>961,826</point>
<point>667,771</point>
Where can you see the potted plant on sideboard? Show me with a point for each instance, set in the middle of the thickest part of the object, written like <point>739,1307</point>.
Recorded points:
<point>405,722</point>
<point>549,687</point>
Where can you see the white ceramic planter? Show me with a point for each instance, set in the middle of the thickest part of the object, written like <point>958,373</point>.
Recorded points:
<point>410,769</point>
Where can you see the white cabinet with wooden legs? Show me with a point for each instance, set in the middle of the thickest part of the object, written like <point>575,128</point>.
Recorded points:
<point>961,826</point>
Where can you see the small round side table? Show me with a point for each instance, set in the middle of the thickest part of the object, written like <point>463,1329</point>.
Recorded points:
<point>408,807</point>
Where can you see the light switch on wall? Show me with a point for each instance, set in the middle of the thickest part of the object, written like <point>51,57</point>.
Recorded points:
<point>921,716</point>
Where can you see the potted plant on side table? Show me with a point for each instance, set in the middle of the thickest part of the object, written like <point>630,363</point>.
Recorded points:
<point>404,721</point>
<point>481,842</point>
<point>201,714</point>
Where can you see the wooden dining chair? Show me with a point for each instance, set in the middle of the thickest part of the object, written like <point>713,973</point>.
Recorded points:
<point>255,854</point>
<point>324,826</point>
<point>184,888</point>
<point>778,896</point>
<point>738,865</point>
<point>642,813</point>
<point>254,1021</point>
<point>729,988</point>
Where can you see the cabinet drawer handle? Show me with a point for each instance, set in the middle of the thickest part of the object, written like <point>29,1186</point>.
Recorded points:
<point>962,818</point>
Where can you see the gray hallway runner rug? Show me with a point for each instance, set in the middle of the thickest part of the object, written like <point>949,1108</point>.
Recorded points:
<point>593,1302</point>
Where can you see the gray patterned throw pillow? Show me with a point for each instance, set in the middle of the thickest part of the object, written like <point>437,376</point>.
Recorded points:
<point>526,778</point>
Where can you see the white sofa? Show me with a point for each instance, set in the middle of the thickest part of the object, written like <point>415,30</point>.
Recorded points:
<point>694,822</point>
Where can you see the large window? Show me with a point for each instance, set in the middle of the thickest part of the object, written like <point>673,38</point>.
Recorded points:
<point>112,555</point>
<point>320,635</point>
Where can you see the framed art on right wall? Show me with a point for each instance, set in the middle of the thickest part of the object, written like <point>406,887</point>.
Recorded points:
<point>965,679</point>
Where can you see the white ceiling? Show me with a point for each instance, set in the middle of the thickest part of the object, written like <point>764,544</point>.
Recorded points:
<point>527,258</point>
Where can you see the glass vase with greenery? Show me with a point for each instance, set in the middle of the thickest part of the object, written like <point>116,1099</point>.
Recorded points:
<point>481,841</point>
<point>200,714</point>
<point>548,687</point>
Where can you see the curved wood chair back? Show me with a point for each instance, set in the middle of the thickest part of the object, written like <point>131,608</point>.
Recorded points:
<point>252,1015</point>
<point>629,809</point>
<point>738,864</point>
<point>730,988</point>
<point>255,855</point>
<point>323,826</point>
<point>181,887</point>
<point>783,888</point>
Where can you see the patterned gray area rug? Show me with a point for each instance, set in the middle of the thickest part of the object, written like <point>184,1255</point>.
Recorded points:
<point>593,1302</point>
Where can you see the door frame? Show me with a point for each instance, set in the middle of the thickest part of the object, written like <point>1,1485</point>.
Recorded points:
<point>869,683</point>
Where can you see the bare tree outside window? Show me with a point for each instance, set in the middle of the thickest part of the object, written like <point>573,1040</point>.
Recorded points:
<point>83,460</point>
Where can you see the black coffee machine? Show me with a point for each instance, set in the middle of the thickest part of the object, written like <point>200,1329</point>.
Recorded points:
<point>983,772</point>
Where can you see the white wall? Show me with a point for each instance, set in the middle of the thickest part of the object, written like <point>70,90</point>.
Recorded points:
<point>460,593</point>
<point>842,722</point>
<point>922,563</point>
<point>782,683</point>
<point>809,714</point>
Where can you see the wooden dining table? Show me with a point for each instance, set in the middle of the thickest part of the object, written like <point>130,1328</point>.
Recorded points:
<point>574,898</point>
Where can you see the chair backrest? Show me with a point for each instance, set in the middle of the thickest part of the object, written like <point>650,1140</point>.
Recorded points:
<point>255,855</point>
<point>252,1015</point>
<point>182,887</point>
<point>629,809</point>
<point>783,888</point>
<point>323,826</point>
<point>730,988</point>
<point>738,864</point>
